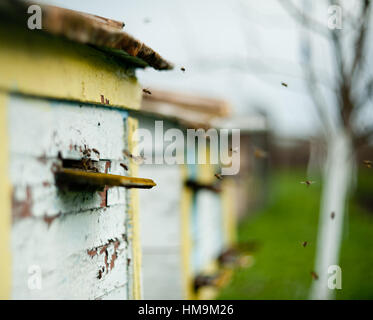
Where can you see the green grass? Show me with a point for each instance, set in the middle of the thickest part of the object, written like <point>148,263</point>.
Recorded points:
<point>282,266</point>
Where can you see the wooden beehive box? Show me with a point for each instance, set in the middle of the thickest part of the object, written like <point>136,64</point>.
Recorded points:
<point>191,224</point>
<point>69,205</point>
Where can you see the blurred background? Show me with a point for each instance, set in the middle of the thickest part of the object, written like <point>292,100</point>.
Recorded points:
<point>272,60</point>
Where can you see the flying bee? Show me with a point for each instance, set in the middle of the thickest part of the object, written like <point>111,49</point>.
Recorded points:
<point>96,151</point>
<point>284,84</point>
<point>138,159</point>
<point>368,163</point>
<point>314,275</point>
<point>259,153</point>
<point>332,215</point>
<point>304,244</point>
<point>308,182</point>
<point>182,69</point>
<point>219,176</point>
<point>124,166</point>
<point>147,91</point>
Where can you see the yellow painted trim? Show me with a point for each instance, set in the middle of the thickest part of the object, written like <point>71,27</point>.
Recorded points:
<point>5,205</point>
<point>206,172</point>
<point>186,243</point>
<point>229,212</point>
<point>132,125</point>
<point>35,63</point>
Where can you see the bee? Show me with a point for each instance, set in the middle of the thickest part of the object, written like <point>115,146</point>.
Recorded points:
<point>332,215</point>
<point>284,84</point>
<point>96,151</point>
<point>308,182</point>
<point>86,151</point>
<point>368,163</point>
<point>219,176</point>
<point>99,275</point>
<point>124,166</point>
<point>138,159</point>
<point>304,244</point>
<point>182,69</point>
<point>314,275</point>
<point>147,91</point>
<point>260,154</point>
<point>235,150</point>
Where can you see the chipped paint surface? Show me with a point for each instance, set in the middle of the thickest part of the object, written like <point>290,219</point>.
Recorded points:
<point>78,242</point>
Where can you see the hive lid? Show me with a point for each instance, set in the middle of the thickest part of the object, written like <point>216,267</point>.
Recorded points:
<point>190,110</point>
<point>104,33</point>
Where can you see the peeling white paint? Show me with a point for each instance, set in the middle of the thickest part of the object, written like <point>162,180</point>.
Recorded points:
<point>59,229</point>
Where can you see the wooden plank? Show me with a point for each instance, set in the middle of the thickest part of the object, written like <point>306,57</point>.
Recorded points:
<point>133,225</point>
<point>61,69</point>
<point>186,239</point>
<point>5,204</point>
<point>82,178</point>
<point>80,256</point>
<point>79,243</point>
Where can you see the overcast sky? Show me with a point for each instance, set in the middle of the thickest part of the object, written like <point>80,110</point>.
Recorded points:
<point>239,50</point>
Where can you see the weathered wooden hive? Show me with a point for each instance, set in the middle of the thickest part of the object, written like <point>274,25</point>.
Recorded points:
<point>68,194</point>
<point>191,223</point>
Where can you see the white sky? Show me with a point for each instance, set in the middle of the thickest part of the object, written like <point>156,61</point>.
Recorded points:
<point>240,50</point>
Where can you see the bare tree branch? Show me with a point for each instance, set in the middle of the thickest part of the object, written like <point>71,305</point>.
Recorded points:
<point>302,18</point>
<point>361,40</point>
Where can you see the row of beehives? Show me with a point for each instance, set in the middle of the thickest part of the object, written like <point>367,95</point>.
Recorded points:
<point>69,207</point>
<point>188,221</point>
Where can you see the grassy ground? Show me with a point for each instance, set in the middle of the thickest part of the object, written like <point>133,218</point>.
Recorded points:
<point>282,266</point>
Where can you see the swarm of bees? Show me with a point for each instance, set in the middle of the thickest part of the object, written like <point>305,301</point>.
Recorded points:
<point>308,182</point>
<point>87,165</point>
<point>147,91</point>
<point>368,163</point>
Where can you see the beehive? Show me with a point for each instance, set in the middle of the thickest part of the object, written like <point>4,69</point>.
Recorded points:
<point>69,209</point>
<point>192,222</point>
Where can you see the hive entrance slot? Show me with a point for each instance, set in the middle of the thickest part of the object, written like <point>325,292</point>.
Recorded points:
<point>84,175</point>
